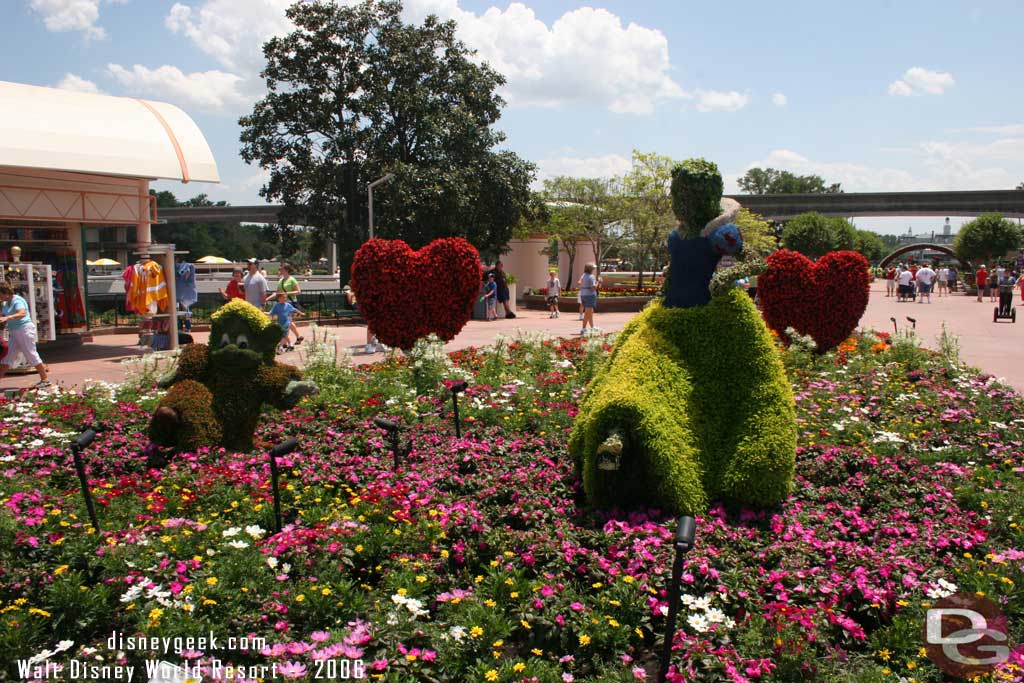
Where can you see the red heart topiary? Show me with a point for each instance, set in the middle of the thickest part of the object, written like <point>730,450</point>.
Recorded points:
<point>824,299</point>
<point>405,295</point>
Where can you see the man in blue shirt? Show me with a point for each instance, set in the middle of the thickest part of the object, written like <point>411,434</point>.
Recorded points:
<point>22,332</point>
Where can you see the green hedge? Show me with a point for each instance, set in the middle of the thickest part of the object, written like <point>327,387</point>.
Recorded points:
<point>704,400</point>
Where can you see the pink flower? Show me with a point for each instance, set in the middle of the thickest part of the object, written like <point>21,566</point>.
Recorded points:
<point>319,636</point>
<point>292,669</point>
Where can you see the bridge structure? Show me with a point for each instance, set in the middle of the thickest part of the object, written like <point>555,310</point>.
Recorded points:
<point>776,207</point>
<point>921,246</point>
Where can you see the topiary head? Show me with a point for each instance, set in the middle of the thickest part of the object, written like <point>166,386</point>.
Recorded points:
<point>242,336</point>
<point>696,192</point>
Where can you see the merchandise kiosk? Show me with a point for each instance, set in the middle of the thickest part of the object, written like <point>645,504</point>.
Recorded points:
<point>71,161</point>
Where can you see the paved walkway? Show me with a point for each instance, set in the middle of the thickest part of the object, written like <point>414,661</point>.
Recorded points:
<point>997,348</point>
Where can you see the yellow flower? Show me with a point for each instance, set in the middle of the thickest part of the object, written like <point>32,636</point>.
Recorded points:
<point>513,594</point>
<point>518,666</point>
<point>525,624</point>
<point>325,591</point>
<point>491,675</point>
<point>584,640</point>
<point>421,579</point>
<point>212,581</point>
<point>476,632</point>
<point>155,614</point>
<point>490,603</point>
<point>536,652</point>
<point>402,591</point>
<point>359,548</point>
<point>884,655</point>
<point>498,643</point>
<point>300,598</point>
<point>40,612</point>
<point>60,570</point>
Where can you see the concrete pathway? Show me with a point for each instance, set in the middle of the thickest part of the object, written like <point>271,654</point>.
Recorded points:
<point>997,348</point>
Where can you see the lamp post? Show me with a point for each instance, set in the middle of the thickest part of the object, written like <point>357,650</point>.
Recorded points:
<point>894,330</point>
<point>683,543</point>
<point>83,440</point>
<point>369,190</point>
<point>283,448</point>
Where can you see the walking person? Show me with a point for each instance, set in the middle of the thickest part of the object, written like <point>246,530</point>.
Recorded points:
<point>981,281</point>
<point>491,297</point>
<point>255,285</point>
<point>234,289</point>
<point>554,290</point>
<point>287,283</point>
<point>952,278</point>
<point>22,332</point>
<point>993,285</point>
<point>588,296</point>
<point>282,312</point>
<point>905,288</point>
<point>943,281</point>
<point>925,278</point>
<point>503,293</point>
<point>890,281</point>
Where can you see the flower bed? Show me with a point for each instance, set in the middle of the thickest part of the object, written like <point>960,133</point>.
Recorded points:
<point>475,562</point>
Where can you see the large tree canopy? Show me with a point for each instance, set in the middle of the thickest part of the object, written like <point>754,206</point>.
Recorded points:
<point>772,181</point>
<point>986,237</point>
<point>353,94</point>
<point>814,235</point>
<point>870,245</point>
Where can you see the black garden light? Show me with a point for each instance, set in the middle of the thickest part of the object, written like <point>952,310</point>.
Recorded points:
<point>894,330</point>
<point>80,442</point>
<point>912,321</point>
<point>457,388</point>
<point>393,430</point>
<point>283,448</point>
<point>684,543</point>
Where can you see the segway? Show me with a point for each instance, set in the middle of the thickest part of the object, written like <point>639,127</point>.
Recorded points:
<point>1005,309</point>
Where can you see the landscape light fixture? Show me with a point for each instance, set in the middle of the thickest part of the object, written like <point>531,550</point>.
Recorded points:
<point>685,532</point>
<point>912,321</point>
<point>457,388</point>
<point>392,428</point>
<point>80,442</point>
<point>894,330</point>
<point>283,448</point>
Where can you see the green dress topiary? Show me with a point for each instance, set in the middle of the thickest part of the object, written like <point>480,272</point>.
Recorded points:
<point>693,403</point>
<point>217,391</point>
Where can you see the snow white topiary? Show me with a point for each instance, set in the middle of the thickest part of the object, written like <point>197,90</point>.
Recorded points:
<point>693,403</point>
<point>217,391</point>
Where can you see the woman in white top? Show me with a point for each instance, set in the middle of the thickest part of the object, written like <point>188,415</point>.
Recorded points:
<point>588,296</point>
<point>554,290</point>
<point>943,281</point>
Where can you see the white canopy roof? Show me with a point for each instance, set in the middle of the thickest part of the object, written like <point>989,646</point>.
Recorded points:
<point>63,130</point>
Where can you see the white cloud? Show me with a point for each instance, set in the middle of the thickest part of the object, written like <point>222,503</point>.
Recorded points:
<point>606,166</point>
<point>232,31</point>
<point>717,100</point>
<point>917,80</point>
<point>586,57</point>
<point>931,166</point>
<point>71,15</point>
<point>779,100</point>
<point>215,91</point>
<point>1013,129</point>
<point>78,84</point>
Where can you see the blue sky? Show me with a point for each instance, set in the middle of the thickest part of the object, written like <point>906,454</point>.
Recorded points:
<point>897,95</point>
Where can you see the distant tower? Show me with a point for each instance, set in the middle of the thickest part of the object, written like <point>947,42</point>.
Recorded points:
<point>947,229</point>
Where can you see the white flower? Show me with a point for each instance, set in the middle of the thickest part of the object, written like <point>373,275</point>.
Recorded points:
<point>715,615</point>
<point>255,531</point>
<point>64,645</point>
<point>233,531</point>
<point>701,603</point>
<point>697,622</point>
<point>272,562</point>
<point>457,632</point>
<point>238,544</point>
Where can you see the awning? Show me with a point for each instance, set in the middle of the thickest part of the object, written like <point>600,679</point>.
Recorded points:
<point>62,130</point>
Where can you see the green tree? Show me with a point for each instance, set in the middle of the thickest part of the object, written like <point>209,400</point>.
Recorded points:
<point>353,93</point>
<point>814,235</point>
<point>578,208</point>
<point>644,201</point>
<point>773,181</point>
<point>987,237</point>
<point>758,234</point>
<point>870,245</point>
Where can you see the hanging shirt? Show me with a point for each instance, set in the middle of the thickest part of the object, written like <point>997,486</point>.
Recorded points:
<point>149,288</point>
<point>185,284</point>
<point>129,276</point>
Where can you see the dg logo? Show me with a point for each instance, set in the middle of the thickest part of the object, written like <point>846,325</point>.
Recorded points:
<point>966,635</point>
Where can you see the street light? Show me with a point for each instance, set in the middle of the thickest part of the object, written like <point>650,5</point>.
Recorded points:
<point>685,533</point>
<point>374,184</point>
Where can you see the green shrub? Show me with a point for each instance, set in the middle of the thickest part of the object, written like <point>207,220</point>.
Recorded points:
<point>705,405</point>
<point>201,428</point>
<point>696,192</point>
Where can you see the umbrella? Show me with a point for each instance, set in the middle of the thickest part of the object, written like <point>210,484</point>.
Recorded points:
<point>104,262</point>
<point>213,259</point>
